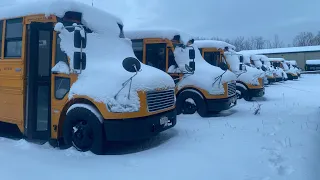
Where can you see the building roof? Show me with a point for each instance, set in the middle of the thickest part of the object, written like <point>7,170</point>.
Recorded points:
<point>283,50</point>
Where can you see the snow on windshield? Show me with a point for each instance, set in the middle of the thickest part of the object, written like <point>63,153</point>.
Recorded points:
<point>104,74</point>
<point>204,75</point>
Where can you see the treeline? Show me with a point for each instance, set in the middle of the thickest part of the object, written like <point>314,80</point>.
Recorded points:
<point>259,42</point>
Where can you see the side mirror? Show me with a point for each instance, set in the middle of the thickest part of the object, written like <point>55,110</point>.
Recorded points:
<point>192,65</point>
<point>242,67</point>
<point>80,38</point>
<point>131,64</point>
<point>79,60</point>
<point>223,66</point>
<point>192,54</point>
<point>241,59</point>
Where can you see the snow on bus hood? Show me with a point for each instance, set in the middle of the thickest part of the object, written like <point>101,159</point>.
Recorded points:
<point>287,69</point>
<point>104,75</point>
<point>204,75</point>
<point>250,76</point>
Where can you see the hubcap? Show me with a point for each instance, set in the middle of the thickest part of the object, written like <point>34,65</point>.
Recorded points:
<point>82,136</point>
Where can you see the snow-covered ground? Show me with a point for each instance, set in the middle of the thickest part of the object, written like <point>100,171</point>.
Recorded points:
<point>282,142</point>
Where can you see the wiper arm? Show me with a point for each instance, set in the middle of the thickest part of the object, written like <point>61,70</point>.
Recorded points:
<point>219,78</point>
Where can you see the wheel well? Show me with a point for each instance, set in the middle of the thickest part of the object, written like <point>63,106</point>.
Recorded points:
<point>242,83</point>
<point>192,90</point>
<point>65,109</point>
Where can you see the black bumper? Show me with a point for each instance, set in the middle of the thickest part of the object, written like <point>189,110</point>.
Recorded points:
<point>295,77</point>
<point>221,104</point>
<point>272,80</point>
<point>278,79</point>
<point>256,92</point>
<point>138,128</point>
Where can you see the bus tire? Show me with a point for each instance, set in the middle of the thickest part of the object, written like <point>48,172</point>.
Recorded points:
<point>200,104</point>
<point>83,130</point>
<point>244,94</point>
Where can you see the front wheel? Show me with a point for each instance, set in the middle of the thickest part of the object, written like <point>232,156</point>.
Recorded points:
<point>189,102</point>
<point>83,130</point>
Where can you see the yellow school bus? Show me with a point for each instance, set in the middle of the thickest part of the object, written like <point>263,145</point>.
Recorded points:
<point>56,84</point>
<point>199,91</point>
<point>250,81</point>
<point>280,63</point>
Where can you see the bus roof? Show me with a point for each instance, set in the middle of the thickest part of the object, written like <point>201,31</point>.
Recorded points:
<point>277,59</point>
<point>213,44</point>
<point>157,33</point>
<point>91,16</point>
<point>313,62</point>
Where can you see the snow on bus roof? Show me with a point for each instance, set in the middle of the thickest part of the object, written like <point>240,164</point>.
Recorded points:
<point>213,44</point>
<point>157,33</point>
<point>284,50</point>
<point>90,15</point>
<point>313,62</point>
<point>276,59</point>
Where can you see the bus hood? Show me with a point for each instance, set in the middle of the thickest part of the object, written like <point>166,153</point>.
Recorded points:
<point>104,75</point>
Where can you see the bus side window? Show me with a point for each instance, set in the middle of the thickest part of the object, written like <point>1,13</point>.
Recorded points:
<point>13,41</point>
<point>61,87</point>
<point>137,46</point>
<point>60,55</point>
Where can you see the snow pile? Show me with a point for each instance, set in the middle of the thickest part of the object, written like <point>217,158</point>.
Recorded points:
<point>104,75</point>
<point>313,62</point>
<point>282,143</point>
<point>205,75</point>
<point>90,15</point>
<point>213,44</point>
<point>163,33</point>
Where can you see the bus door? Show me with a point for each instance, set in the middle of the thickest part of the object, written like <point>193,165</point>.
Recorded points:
<point>38,80</point>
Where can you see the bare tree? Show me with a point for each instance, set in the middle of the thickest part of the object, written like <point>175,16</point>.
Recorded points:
<point>316,39</point>
<point>277,43</point>
<point>303,39</point>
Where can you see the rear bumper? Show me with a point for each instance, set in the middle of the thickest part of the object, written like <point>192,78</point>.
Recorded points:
<point>138,128</point>
<point>221,104</point>
<point>256,92</point>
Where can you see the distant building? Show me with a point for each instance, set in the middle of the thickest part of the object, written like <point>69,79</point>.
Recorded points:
<point>300,54</point>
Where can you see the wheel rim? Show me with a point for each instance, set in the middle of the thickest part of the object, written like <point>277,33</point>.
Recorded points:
<point>189,108</point>
<point>82,136</point>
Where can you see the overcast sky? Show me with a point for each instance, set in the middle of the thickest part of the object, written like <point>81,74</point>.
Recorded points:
<point>218,18</point>
<point>226,19</point>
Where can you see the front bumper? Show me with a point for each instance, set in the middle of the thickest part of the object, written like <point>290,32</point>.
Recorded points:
<point>256,92</point>
<point>272,80</point>
<point>138,128</point>
<point>278,79</point>
<point>221,104</point>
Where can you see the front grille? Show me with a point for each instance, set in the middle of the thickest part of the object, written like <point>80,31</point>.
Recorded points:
<point>232,89</point>
<point>158,100</point>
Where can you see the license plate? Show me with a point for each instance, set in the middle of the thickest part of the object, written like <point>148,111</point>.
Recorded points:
<point>164,121</point>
